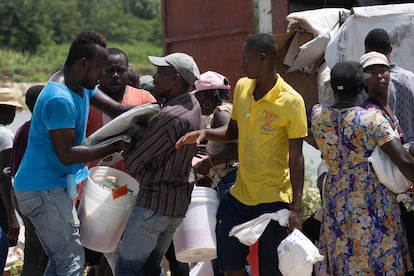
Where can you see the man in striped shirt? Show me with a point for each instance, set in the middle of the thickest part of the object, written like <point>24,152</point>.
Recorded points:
<point>162,170</point>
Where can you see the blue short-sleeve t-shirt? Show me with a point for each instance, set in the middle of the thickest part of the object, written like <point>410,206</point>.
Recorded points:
<point>57,107</point>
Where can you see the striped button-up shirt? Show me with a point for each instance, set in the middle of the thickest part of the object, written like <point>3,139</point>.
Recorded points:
<point>162,170</point>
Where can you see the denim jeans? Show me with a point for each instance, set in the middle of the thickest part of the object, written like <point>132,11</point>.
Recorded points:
<point>225,184</point>
<point>35,258</point>
<point>146,239</point>
<point>56,224</point>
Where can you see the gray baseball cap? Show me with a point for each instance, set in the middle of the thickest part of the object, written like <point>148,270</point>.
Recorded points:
<point>182,63</point>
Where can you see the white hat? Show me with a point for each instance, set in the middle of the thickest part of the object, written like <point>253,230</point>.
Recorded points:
<point>373,58</point>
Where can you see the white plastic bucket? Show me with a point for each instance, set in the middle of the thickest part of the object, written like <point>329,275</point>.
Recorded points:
<point>202,269</point>
<point>195,238</point>
<point>102,218</point>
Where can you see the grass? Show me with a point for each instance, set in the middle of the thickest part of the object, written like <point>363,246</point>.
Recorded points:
<point>24,67</point>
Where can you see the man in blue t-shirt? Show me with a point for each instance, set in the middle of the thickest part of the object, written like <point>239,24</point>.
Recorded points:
<point>53,162</point>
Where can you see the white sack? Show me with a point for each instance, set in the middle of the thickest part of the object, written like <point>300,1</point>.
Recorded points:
<point>398,20</point>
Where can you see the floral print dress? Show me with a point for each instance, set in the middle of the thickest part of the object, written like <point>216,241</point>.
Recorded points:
<point>361,232</point>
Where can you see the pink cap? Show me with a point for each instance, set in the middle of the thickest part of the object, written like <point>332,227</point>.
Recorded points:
<point>211,80</point>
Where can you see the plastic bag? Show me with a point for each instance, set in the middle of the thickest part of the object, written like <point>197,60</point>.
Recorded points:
<point>297,254</point>
<point>249,232</point>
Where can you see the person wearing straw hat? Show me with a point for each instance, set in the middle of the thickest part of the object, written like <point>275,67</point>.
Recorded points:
<point>9,226</point>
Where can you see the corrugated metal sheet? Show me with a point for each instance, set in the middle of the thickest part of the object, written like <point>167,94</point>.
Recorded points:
<point>212,31</point>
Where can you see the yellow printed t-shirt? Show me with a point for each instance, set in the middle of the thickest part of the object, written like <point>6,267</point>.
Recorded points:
<point>265,128</point>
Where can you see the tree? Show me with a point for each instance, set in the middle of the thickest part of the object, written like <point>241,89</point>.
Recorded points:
<point>144,9</point>
<point>33,25</point>
<point>29,25</point>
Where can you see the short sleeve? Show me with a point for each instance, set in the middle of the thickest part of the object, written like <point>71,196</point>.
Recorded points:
<point>383,130</point>
<point>59,113</point>
<point>92,92</point>
<point>298,124</point>
<point>6,138</point>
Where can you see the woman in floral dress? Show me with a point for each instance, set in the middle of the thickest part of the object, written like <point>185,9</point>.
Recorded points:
<point>361,231</point>
<point>376,64</point>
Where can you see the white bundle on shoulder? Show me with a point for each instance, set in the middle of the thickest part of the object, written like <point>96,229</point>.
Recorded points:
<point>388,173</point>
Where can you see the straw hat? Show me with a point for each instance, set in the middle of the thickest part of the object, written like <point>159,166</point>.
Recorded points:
<point>9,97</point>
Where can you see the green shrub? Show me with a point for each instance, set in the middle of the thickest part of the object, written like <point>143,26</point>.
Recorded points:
<point>311,199</point>
<point>26,67</point>
<point>138,53</point>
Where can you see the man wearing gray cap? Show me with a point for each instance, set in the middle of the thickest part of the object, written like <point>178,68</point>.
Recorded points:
<point>162,171</point>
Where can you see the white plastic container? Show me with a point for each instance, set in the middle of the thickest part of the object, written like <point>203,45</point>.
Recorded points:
<point>202,269</point>
<point>195,238</point>
<point>102,218</point>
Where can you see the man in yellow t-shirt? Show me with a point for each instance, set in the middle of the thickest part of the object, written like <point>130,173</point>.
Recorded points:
<point>269,122</point>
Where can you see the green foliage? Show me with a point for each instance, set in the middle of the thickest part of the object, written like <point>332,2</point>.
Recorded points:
<point>27,67</point>
<point>138,53</point>
<point>311,199</point>
<point>145,9</point>
<point>36,25</point>
<point>35,34</point>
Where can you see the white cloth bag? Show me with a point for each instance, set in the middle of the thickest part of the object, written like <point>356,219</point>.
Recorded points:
<point>388,173</point>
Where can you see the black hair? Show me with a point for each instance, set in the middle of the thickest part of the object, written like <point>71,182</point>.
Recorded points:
<point>263,42</point>
<point>31,95</point>
<point>84,45</point>
<point>378,40</point>
<point>117,51</point>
